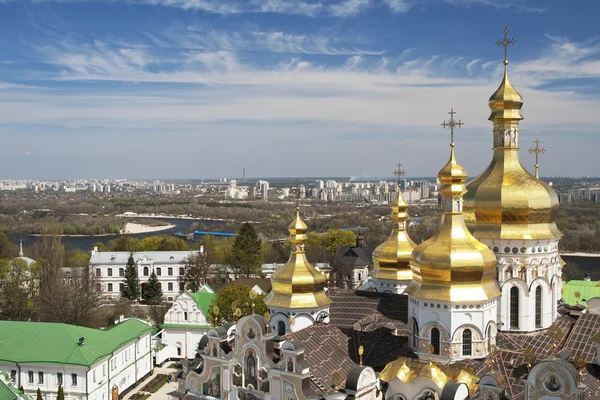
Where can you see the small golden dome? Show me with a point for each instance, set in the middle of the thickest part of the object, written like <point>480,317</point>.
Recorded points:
<point>297,284</point>
<point>408,369</point>
<point>390,259</point>
<point>453,265</point>
<point>506,102</point>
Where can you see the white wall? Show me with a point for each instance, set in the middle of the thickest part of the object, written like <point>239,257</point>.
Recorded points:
<point>131,362</point>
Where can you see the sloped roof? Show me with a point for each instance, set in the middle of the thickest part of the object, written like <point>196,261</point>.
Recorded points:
<point>121,257</point>
<point>203,298</point>
<point>326,351</point>
<point>351,256</point>
<point>53,343</point>
<point>7,390</point>
<point>585,289</point>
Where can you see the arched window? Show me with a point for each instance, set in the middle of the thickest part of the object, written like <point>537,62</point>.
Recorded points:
<point>415,331</point>
<point>514,307</point>
<point>467,339</point>
<point>435,340</point>
<point>281,328</point>
<point>489,335</point>
<point>359,276</point>
<point>145,271</point>
<point>538,307</point>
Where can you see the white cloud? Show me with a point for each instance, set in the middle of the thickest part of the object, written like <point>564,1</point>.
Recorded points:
<point>399,6</point>
<point>276,42</point>
<point>288,7</point>
<point>348,8</point>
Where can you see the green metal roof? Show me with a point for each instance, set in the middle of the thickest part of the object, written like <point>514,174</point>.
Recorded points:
<point>585,290</point>
<point>203,298</point>
<point>53,343</point>
<point>8,391</point>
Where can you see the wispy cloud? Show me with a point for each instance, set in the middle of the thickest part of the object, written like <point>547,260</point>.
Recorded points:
<point>399,6</point>
<point>564,59</point>
<point>349,8</point>
<point>276,42</point>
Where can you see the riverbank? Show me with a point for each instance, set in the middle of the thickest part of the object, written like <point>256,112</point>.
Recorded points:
<point>163,216</point>
<point>131,228</point>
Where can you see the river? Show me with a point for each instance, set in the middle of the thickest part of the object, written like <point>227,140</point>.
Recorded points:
<point>86,243</point>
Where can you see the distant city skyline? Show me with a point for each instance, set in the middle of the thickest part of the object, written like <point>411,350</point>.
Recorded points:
<point>167,89</point>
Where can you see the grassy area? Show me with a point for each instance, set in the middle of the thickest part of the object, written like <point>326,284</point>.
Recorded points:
<point>174,366</point>
<point>156,383</point>
<point>140,396</point>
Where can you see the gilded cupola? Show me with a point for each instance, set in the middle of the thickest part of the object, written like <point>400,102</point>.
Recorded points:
<point>506,201</point>
<point>453,265</point>
<point>297,284</point>
<point>390,259</point>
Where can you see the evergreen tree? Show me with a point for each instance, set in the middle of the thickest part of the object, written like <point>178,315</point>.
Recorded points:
<point>131,282</point>
<point>153,291</point>
<point>21,389</point>
<point>61,393</point>
<point>39,395</point>
<point>247,256</point>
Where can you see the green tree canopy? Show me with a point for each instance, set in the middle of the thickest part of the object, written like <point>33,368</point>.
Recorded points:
<point>153,290</point>
<point>331,240</point>
<point>131,281</point>
<point>232,297</point>
<point>247,257</point>
<point>18,281</point>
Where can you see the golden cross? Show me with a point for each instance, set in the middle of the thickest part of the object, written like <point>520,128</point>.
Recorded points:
<point>399,172</point>
<point>537,151</point>
<point>452,124</point>
<point>506,42</point>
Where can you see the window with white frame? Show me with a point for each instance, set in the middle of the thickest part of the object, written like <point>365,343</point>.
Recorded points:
<point>59,379</point>
<point>40,378</point>
<point>73,379</point>
<point>30,376</point>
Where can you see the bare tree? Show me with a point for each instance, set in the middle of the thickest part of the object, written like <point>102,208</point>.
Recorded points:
<point>198,271</point>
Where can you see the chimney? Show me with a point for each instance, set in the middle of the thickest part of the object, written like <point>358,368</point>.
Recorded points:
<point>587,277</point>
<point>81,341</point>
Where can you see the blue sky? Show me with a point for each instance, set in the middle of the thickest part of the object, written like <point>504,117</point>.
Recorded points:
<point>191,88</point>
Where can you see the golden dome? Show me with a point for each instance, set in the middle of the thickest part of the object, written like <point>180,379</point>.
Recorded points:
<point>506,201</point>
<point>297,284</point>
<point>506,102</point>
<point>408,369</point>
<point>453,265</point>
<point>390,259</point>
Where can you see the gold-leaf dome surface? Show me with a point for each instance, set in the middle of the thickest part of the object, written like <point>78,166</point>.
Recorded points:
<point>453,265</point>
<point>390,259</point>
<point>408,369</point>
<point>506,201</point>
<point>297,284</point>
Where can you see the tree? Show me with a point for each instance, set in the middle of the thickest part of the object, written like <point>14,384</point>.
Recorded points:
<point>247,256</point>
<point>238,294</point>
<point>18,284</point>
<point>197,271</point>
<point>61,393</point>
<point>131,281</point>
<point>153,291</point>
<point>39,395</point>
<point>65,295</point>
<point>331,240</point>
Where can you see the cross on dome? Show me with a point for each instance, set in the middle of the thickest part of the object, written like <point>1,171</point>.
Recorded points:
<point>537,150</point>
<point>506,42</point>
<point>452,124</point>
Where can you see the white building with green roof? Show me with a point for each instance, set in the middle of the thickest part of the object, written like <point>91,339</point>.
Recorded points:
<point>185,324</point>
<point>86,362</point>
